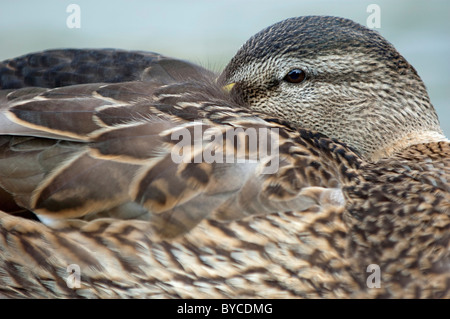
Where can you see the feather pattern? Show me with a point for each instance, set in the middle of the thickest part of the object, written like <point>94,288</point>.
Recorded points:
<point>93,175</point>
<point>104,154</point>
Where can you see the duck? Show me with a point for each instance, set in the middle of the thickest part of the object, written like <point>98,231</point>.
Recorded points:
<point>108,189</point>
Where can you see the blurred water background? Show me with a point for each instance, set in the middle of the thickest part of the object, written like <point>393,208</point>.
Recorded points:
<point>210,32</point>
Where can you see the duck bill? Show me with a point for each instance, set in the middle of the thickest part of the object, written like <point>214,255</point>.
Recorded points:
<point>227,88</point>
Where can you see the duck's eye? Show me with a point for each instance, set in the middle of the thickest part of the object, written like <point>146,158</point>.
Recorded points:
<point>295,76</point>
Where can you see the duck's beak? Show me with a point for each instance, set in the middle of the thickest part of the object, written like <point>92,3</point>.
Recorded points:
<point>227,88</point>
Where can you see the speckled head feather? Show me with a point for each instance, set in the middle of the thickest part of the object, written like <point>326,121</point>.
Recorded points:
<point>313,36</point>
<point>355,81</point>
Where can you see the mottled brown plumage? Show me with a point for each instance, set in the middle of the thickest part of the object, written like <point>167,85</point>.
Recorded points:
<point>362,178</point>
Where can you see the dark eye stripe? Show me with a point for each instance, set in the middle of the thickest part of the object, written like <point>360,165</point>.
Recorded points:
<point>295,76</point>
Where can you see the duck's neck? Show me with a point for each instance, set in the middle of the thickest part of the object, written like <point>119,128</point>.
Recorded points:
<point>406,141</point>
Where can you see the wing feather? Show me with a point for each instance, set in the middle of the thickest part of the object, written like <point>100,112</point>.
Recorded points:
<point>110,150</point>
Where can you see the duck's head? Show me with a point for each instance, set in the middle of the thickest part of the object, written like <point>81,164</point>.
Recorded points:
<point>337,77</point>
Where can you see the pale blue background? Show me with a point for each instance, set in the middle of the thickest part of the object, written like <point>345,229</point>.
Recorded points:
<point>210,32</point>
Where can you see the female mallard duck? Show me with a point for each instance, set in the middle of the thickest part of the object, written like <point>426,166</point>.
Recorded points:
<point>358,206</point>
